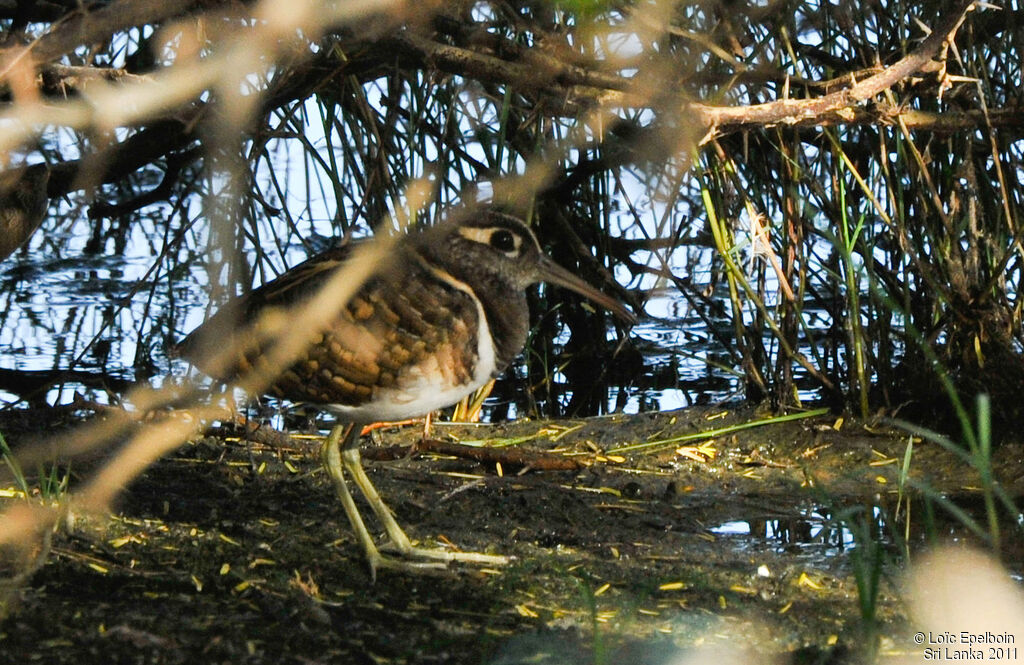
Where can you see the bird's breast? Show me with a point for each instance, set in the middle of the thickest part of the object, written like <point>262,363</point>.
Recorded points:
<point>400,348</point>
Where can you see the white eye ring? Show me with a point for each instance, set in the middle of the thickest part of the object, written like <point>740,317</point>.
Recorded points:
<point>499,238</point>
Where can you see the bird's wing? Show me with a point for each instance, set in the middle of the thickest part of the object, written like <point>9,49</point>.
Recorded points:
<point>290,289</point>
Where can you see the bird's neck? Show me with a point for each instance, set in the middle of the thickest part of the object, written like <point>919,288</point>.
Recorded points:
<point>508,318</point>
<point>504,305</point>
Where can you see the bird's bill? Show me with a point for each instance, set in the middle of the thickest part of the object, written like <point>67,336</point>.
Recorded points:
<point>552,273</point>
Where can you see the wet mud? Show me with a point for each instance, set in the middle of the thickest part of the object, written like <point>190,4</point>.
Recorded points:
<point>233,551</point>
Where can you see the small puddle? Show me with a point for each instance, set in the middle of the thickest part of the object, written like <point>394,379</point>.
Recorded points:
<point>806,528</point>
<point>832,532</point>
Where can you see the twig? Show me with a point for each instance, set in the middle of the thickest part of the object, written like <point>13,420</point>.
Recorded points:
<point>508,458</point>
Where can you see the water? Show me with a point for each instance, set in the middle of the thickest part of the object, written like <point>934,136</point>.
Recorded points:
<point>109,299</point>
<point>110,296</point>
<point>824,533</point>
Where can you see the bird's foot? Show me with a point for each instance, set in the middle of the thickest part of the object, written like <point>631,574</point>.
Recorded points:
<point>440,554</point>
<point>376,561</point>
<point>404,559</point>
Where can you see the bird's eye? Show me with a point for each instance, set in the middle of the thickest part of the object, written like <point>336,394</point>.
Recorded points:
<point>503,241</point>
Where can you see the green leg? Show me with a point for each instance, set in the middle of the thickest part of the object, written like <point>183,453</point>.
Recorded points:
<point>352,462</point>
<point>331,458</point>
<point>340,457</point>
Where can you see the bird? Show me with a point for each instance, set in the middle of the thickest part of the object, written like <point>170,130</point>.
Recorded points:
<point>442,316</point>
<point>23,202</point>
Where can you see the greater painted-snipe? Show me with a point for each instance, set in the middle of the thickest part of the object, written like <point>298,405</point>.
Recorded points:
<point>445,315</point>
<point>23,203</point>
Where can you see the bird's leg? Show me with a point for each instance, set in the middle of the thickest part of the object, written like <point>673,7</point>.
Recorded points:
<point>331,457</point>
<point>352,461</point>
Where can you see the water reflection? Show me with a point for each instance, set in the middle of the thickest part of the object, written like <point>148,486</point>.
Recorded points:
<point>69,304</point>
<point>107,297</point>
<point>809,526</point>
<point>814,528</point>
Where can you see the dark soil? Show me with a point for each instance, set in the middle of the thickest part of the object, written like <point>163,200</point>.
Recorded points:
<point>237,552</point>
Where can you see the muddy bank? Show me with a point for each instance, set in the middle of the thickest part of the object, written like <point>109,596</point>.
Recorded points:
<point>238,552</point>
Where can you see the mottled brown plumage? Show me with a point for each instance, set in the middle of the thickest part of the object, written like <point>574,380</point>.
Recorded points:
<point>23,204</point>
<point>442,316</point>
<point>398,319</point>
